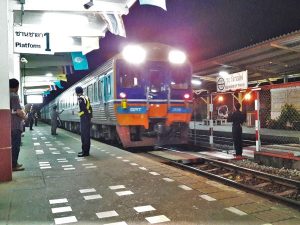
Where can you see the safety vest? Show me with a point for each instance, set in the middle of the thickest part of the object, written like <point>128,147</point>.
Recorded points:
<point>87,105</point>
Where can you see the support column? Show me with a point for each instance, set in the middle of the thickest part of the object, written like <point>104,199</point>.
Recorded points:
<point>6,21</point>
<point>257,122</point>
<point>211,122</point>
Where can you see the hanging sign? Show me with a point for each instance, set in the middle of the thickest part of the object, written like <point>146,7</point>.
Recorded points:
<point>232,82</point>
<point>32,40</point>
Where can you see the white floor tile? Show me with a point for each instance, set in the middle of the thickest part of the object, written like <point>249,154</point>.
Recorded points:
<point>91,197</point>
<point>61,209</point>
<point>89,190</point>
<point>107,214</point>
<point>122,193</point>
<point>116,187</point>
<point>184,187</point>
<point>64,220</point>
<point>145,208</point>
<point>157,219</point>
<point>57,201</point>
<point>154,173</point>
<point>236,211</point>
<point>208,198</point>
<point>168,179</point>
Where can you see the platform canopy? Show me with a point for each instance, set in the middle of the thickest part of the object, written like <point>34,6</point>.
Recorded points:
<point>268,61</point>
<point>47,31</point>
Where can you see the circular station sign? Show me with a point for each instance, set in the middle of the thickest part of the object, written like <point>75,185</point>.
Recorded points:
<point>220,84</point>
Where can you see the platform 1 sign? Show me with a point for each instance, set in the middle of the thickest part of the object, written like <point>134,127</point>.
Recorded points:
<point>31,40</point>
<point>232,82</point>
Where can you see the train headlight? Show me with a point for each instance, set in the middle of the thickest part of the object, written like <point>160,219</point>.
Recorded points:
<point>134,54</point>
<point>177,57</point>
<point>186,96</point>
<point>122,95</point>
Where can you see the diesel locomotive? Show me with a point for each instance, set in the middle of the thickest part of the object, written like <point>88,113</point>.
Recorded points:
<point>140,97</point>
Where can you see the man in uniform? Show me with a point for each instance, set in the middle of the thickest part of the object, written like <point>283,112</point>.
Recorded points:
<point>17,117</point>
<point>85,114</point>
<point>237,118</point>
<point>54,115</point>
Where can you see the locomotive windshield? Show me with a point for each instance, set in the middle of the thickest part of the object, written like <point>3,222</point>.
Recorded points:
<point>180,78</point>
<point>130,77</point>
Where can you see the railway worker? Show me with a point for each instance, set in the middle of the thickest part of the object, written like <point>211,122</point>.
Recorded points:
<point>85,114</point>
<point>17,117</point>
<point>237,118</point>
<point>54,119</point>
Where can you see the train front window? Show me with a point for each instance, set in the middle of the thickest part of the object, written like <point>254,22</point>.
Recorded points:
<point>156,81</point>
<point>180,78</point>
<point>130,77</point>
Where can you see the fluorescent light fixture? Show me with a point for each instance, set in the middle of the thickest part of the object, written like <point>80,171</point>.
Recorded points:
<point>134,54</point>
<point>177,57</point>
<point>223,73</point>
<point>196,82</point>
<point>34,99</point>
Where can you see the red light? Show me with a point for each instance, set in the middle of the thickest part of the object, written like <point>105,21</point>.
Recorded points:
<point>221,98</point>
<point>122,95</point>
<point>186,96</point>
<point>247,96</point>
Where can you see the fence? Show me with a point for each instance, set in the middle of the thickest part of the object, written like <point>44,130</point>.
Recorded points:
<point>273,118</point>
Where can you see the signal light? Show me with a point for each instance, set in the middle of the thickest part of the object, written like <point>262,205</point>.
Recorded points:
<point>122,95</point>
<point>221,98</point>
<point>186,96</point>
<point>247,96</point>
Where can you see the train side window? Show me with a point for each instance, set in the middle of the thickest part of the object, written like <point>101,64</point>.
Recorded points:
<point>90,92</point>
<point>95,92</point>
<point>99,91</point>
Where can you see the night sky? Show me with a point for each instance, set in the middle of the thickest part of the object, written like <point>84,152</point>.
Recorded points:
<point>202,28</point>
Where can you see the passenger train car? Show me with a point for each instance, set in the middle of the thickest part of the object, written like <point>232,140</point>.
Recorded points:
<point>140,97</point>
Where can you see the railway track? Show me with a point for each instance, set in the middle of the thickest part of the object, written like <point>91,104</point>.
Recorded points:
<point>275,187</point>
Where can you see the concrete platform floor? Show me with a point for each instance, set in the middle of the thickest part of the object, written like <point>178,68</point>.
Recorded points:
<point>116,187</point>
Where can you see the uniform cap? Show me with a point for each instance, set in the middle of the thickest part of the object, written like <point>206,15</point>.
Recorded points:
<point>78,90</point>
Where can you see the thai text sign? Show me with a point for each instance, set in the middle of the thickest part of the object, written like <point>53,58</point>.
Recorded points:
<point>232,82</point>
<point>31,40</point>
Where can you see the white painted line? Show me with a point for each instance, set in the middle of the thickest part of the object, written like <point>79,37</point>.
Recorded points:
<point>122,193</point>
<point>117,223</point>
<point>168,179</point>
<point>102,150</point>
<point>88,164</point>
<point>119,157</point>
<point>134,164</point>
<point>236,211</point>
<point>66,165</point>
<point>57,201</point>
<point>113,154</point>
<point>208,198</point>
<point>36,144</point>
<point>143,168</point>
<point>52,149</point>
<point>66,148</point>
<point>64,220</point>
<point>157,219</point>
<point>70,168</point>
<point>49,145</point>
<point>56,153</point>
<point>61,159</point>
<point>106,214</point>
<point>45,167</point>
<point>154,173</point>
<point>61,209</point>
<point>184,187</point>
<point>82,191</point>
<point>47,142</point>
<point>90,167</point>
<point>34,139</point>
<point>39,152</point>
<point>116,187</point>
<point>71,152</point>
<point>126,160</point>
<point>91,197</point>
<point>43,162</point>
<point>145,208</point>
<point>79,160</point>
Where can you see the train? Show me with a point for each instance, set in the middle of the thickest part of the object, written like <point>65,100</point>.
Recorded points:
<point>140,97</point>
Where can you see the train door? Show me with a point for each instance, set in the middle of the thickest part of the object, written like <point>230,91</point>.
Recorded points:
<point>157,86</point>
<point>106,93</point>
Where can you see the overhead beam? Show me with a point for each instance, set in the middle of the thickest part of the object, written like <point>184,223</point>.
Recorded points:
<point>284,48</point>
<point>72,6</point>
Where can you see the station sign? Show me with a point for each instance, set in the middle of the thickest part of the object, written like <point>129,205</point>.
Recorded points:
<point>232,82</point>
<point>32,40</point>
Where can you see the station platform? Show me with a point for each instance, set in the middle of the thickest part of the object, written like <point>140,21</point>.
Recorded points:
<point>116,187</point>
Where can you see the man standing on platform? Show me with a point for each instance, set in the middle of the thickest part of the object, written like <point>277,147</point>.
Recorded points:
<point>54,115</point>
<point>237,118</point>
<point>85,114</point>
<point>17,117</point>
